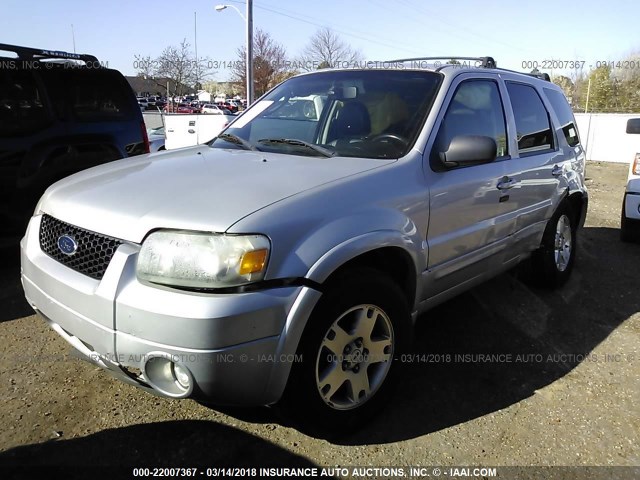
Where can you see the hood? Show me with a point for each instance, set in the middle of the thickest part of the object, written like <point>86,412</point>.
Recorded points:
<point>198,188</point>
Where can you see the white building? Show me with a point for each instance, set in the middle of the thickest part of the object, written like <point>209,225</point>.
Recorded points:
<point>204,96</point>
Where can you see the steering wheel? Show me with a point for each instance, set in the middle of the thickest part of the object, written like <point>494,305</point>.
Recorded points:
<point>381,137</point>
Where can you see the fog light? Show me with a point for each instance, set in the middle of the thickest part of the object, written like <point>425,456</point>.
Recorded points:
<point>181,376</point>
<point>166,376</point>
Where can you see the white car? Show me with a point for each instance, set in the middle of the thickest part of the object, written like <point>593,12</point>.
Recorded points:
<point>212,108</point>
<point>630,218</point>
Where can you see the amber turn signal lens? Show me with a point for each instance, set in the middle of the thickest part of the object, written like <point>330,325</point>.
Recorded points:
<point>636,165</point>
<point>253,262</point>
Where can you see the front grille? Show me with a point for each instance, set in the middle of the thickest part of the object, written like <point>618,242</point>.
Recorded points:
<point>93,252</point>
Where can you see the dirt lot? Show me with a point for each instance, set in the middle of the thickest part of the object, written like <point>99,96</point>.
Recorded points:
<point>569,395</point>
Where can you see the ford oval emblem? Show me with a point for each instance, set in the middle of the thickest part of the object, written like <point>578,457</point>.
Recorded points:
<point>67,244</point>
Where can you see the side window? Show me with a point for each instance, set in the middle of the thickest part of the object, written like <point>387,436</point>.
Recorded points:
<point>532,119</point>
<point>564,114</point>
<point>22,110</point>
<point>475,109</point>
<point>95,96</point>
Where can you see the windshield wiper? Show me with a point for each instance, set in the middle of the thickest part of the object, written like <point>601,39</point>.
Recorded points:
<point>236,140</point>
<point>325,152</point>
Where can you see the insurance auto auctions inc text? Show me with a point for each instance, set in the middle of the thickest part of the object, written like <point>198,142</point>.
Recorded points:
<point>374,472</point>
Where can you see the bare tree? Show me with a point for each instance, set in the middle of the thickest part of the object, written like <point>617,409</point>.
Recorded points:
<point>326,49</point>
<point>177,64</point>
<point>144,66</point>
<point>567,86</point>
<point>270,64</point>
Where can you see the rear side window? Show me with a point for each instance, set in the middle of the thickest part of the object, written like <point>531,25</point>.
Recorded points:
<point>22,108</point>
<point>93,95</point>
<point>533,128</point>
<point>101,98</point>
<point>564,114</point>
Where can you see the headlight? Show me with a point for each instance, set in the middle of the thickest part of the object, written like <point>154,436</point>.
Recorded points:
<point>202,260</point>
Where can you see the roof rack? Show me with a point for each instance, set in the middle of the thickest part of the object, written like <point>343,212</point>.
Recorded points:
<point>485,62</point>
<point>27,53</point>
<point>542,76</point>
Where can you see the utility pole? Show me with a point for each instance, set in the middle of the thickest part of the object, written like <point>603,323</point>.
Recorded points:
<point>248,18</point>
<point>195,42</point>
<point>249,58</point>
<point>586,106</point>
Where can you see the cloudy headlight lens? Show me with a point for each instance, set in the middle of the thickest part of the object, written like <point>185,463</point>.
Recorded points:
<point>202,260</point>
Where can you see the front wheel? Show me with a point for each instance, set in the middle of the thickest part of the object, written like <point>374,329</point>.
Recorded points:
<point>350,351</point>
<point>553,262</point>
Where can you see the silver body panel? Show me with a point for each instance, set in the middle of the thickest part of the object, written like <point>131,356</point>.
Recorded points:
<point>318,213</point>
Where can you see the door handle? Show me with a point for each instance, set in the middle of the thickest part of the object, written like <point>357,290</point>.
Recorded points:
<point>191,130</point>
<point>557,171</point>
<point>506,183</point>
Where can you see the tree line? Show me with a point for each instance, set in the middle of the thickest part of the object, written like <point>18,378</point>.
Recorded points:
<point>271,63</point>
<point>612,87</point>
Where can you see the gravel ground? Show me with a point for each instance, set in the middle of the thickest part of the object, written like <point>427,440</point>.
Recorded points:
<point>565,393</point>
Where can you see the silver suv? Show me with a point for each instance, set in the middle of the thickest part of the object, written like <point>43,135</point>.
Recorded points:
<point>287,260</point>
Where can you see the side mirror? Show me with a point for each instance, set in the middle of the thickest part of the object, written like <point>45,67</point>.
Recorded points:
<point>469,150</point>
<point>633,125</point>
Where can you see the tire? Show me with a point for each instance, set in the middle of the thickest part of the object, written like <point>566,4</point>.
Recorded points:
<point>553,262</point>
<point>629,228</point>
<point>350,353</point>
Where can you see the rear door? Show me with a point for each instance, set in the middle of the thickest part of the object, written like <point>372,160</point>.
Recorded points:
<point>537,168</point>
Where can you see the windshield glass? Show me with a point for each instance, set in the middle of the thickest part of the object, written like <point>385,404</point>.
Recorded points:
<point>355,113</point>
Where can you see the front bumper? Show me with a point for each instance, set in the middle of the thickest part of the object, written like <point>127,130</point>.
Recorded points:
<point>632,199</point>
<point>235,349</point>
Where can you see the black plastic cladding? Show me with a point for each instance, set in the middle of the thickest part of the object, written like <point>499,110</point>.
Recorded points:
<point>94,250</point>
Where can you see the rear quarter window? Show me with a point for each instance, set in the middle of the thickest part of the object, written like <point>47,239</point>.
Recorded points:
<point>92,95</point>
<point>565,115</point>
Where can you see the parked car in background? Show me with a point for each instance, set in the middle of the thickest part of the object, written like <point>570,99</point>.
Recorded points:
<point>151,103</point>
<point>231,106</point>
<point>288,259</point>
<point>193,107</point>
<point>212,108</point>
<point>630,215</point>
<point>143,102</point>
<point>57,121</point>
<point>181,108</point>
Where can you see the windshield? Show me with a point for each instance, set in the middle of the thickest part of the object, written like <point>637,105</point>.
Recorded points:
<point>354,113</point>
